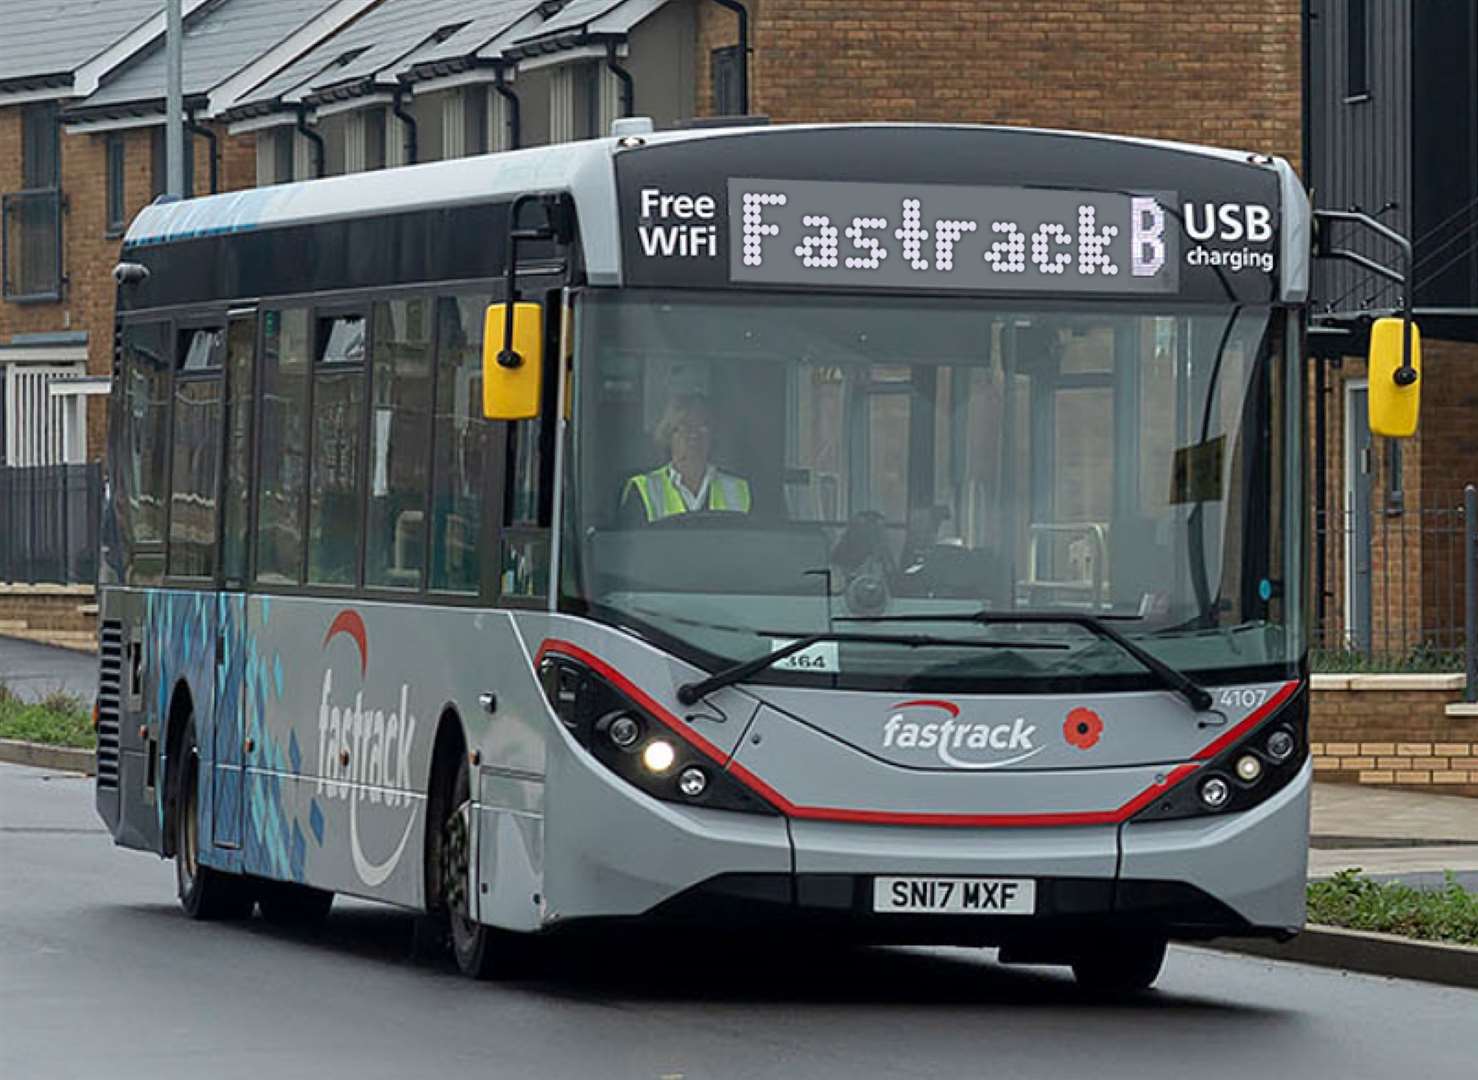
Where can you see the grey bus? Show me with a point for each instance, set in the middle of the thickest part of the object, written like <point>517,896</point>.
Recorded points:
<point>895,532</point>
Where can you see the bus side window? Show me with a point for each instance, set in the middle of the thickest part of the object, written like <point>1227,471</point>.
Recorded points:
<point>460,441</point>
<point>142,480</point>
<point>241,342</point>
<point>337,434</point>
<point>283,446</point>
<point>400,437</point>
<point>195,449</point>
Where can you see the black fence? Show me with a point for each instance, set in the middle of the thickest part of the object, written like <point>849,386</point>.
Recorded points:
<point>1395,591</point>
<point>49,523</point>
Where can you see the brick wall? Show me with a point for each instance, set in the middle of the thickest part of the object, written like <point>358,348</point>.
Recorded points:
<point>1214,73</point>
<point>1390,731</point>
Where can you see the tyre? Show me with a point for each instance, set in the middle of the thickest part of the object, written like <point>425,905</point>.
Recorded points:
<point>1124,967</point>
<point>204,893</point>
<point>481,952</point>
<point>285,903</point>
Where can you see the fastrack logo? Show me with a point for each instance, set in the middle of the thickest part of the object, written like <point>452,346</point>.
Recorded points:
<point>935,725</point>
<point>378,743</point>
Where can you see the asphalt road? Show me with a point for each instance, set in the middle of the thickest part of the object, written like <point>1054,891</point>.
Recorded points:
<point>100,975</point>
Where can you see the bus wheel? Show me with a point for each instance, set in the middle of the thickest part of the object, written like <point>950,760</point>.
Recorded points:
<point>204,893</point>
<point>285,903</point>
<point>1126,966</point>
<point>482,952</point>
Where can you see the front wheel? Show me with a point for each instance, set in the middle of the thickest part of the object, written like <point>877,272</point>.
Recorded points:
<point>204,893</point>
<point>1127,966</point>
<point>482,952</point>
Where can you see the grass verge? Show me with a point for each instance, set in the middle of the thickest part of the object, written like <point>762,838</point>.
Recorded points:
<point>1357,903</point>
<point>57,720</point>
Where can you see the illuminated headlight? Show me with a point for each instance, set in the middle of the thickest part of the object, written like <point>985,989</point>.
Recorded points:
<point>1280,744</point>
<point>658,756</point>
<point>692,781</point>
<point>1249,768</point>
<point>624,731</point>
<point>1214,792</point>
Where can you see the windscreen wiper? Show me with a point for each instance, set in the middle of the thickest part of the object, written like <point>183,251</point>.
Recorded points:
<point>1178,681</point>
<point>690,693</point>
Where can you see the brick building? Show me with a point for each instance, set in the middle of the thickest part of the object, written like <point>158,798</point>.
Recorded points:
<point>1393,130</point>
<point>278,91</point>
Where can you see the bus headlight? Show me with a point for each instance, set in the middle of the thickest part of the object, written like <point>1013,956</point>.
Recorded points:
<point>623,729</point>
<point>655,753</point>
<point>658,756</point>
<point>1214,792</point>
<point>1260,763</point>
<point>1280,744</point>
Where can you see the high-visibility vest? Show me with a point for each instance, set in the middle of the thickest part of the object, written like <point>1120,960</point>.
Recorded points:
<point>661,498</point>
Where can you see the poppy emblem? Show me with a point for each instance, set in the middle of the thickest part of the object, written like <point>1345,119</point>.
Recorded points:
<point>1082,728</point>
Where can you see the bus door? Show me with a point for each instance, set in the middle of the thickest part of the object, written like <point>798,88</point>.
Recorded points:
<point>235,503</point>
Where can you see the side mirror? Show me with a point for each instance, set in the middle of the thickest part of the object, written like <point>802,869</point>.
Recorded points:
<point>1395,387</point>
<point>512,365</point>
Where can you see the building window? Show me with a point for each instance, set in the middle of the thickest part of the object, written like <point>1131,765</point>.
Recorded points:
<point>475,120</point>
<point>724,69</point>
<point>31,219</point>
<point>40,146</point>
<point>1357,51</point>
<point>117,207</point>
<point>373,124</point>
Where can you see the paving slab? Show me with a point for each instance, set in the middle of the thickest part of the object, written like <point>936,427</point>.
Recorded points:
<point>1351,812</point>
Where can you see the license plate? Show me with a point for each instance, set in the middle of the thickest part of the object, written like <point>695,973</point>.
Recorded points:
<point>954,896</point>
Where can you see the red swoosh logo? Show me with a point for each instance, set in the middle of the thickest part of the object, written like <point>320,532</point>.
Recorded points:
<point>349,622</point>
<point>933,703</point>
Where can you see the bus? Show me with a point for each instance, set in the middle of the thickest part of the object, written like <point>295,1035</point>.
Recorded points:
<point>893,532</point>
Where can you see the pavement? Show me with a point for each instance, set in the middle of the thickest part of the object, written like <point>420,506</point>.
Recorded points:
<point>102,975</point>
<point>1393,835</point>
<point>33,670</point>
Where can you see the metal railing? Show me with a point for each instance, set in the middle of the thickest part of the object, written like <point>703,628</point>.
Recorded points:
<point>50,518</point>
<point>1398,590</point>
<point>31,244</point>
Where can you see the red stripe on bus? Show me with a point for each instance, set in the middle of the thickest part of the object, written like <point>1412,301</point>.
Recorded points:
<point>1134,805</point>
<point>1257,716</point>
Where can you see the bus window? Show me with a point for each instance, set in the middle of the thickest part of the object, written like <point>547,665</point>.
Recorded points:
<point>195,450</point>
<point>400,437</point>
<point>281,453</point>
<point>333,474</point>
<point>145,408</point>
<point>241,343</point>
<point>460,438</point>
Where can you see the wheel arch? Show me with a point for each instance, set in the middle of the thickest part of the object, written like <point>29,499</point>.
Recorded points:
<point>181,709</point>
<point>448,751</point>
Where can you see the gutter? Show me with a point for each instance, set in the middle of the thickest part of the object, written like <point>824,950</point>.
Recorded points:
<point>313,137</point>
<point>397,109</point>
<point>210,137</point>
<point>515,116</point>
<point>628,86</point>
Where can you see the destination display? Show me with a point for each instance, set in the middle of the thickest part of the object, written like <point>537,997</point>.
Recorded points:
<point>936,236</point>
<point>988,212</point>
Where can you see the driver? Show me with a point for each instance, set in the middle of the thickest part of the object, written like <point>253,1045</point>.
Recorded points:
<point>689,481</point>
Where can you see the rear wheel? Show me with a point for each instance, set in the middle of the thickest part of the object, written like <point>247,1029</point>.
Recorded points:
<point>482,952</point>
<point>285,903</point>
<point>205,893</point>
<point>1126,966</point>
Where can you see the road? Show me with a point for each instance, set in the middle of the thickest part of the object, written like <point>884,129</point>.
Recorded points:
<point>33,670</point>
<point>100,975</point>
